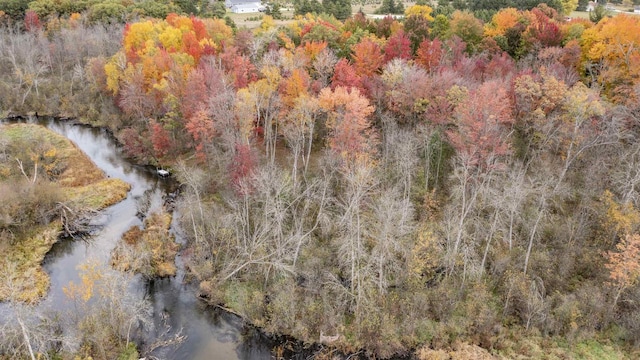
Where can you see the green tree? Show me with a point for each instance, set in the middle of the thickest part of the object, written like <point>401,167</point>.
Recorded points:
<point>301,7</point>
<point>390,7</point>
<point>273,10</point>
<point>445,9</point>
<point>341,9</point>
<point>530,4</point>
<point>187,6</point>
<point>460,4</point>
<point>468,28</point>
<point>440,27</point>
<point>215,9</point>
<point>107,12</point>
<point>14,8</point>
<point>46,8</point>
<point>156,9</point>
<point>582,5</point>
<point>599,13</point>
<point>489,4</point>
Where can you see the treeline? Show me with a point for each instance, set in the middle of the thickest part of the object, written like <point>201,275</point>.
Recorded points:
<point>107,11</point>
<point>402,184</point>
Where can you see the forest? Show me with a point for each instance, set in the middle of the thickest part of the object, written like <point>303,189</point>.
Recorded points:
<point>448,184</point>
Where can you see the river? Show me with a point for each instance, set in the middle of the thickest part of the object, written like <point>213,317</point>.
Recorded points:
<point>210,332</point>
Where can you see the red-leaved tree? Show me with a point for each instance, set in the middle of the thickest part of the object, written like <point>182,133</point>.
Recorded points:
<point>32,21</point>
<point>159,139</point>
<point>345,75</point>
<point>429,54</point>
<point>244,161</point>
<point>483,125</point>
<point>200,127</point>
<point>398,46</point>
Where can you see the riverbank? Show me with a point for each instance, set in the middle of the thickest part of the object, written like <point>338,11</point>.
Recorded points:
<point>33,158</point>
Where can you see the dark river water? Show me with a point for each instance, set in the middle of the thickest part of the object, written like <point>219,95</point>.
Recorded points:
<point>210,333</point>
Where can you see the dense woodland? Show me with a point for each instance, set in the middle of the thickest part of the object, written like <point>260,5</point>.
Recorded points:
<point>406,184</point>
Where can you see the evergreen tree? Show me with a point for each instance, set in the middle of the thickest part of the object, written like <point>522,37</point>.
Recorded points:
<point>273,10</point>
<point>215,9</point>
<point>187,6</point>
<point>530,4</point>
<point>301,7</point>
<point>582,5</point>
<point>390,7</point>
<point>340,9</point>
<point>599,13</point>
<point>460,4</point>
<point>489,4</point>
<point>15,9</point>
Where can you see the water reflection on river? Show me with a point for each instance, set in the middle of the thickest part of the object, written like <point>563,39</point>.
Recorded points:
<point>211,334</point>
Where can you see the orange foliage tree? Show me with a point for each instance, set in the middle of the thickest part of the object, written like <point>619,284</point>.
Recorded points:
<point>351,134</point>
<point>624,264</point>
<point>152,75</point>
<point>154,47</point>
<point>612,53</point>
<point>367,57</point>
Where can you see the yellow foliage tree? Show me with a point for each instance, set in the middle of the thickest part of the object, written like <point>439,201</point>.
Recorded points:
<point>619,219</point>
<point>501,22</point>
<point>612,49</point>
<point>420,10</point>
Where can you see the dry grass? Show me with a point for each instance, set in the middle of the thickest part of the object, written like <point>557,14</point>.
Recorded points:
<point>22,277</point>
<point>248,20</point>
<point>462,351</point>
<point>579,14</point>
<point>83,185</point>
<point>100,194</point>
<point>150,251</point>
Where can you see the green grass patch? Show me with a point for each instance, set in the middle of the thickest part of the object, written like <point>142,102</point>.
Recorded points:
<point>594,350</point>
<point>247,300</point>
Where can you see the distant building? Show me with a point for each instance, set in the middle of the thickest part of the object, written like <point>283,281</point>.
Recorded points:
<point>244,6</point>
<point>252,7</point>
<point>380,17</point>
<point>591,6</point>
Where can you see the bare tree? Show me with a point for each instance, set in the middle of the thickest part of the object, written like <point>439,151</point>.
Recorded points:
<point>195,179</point>
<point>265,227</point>
<point>359,183</point>
<point>400,154</point>
<point>469,184</point>
<point>26,330</point>
<point>105,311</point>
<point>298,130</point>
<point>27,56</point>
<point>390,227</point>
<point>323,66</point>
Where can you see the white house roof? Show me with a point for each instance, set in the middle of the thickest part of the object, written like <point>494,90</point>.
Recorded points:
<point>253,5</point>
<point>230,3</point>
